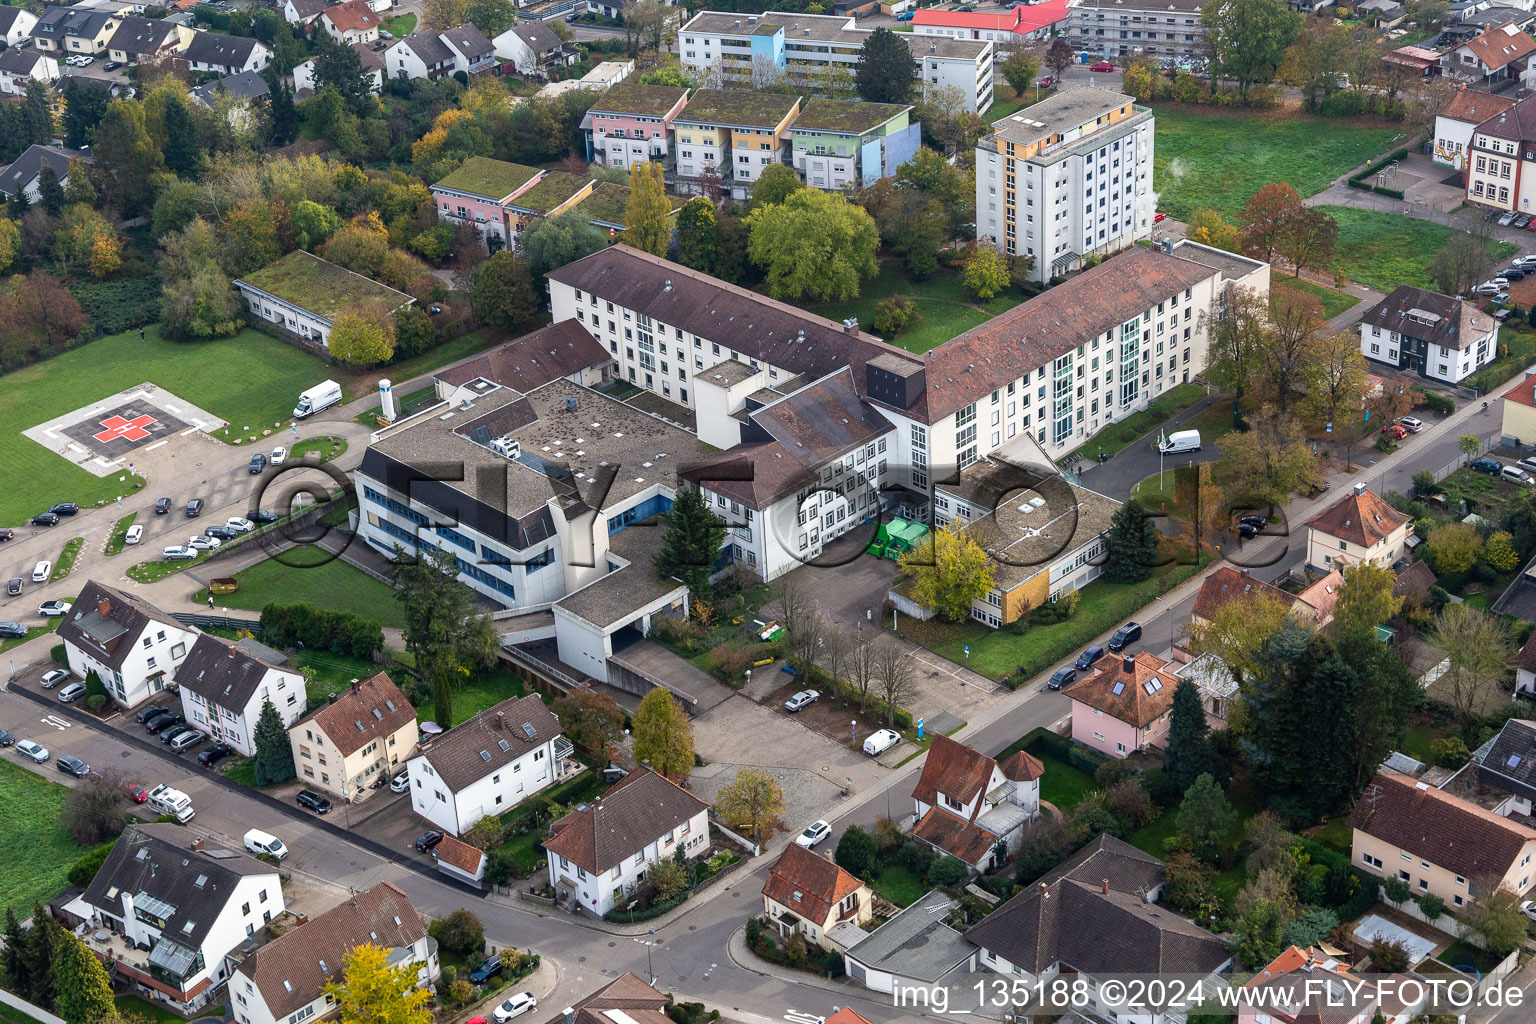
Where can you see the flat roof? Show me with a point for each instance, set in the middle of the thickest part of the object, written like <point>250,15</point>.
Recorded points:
<point>552,190</point>
<point>1060,113</point>
<point>822,27</point>
<point>845,115</point>
<point>494,179</point>
<point>634,98</point>
<point>916,943</point>
<point>624,591</point>
<point>323,288</point>
<point>1030,527</point>
<point>608,203</point>
<point>736,106</point>
<point>1230,265</point>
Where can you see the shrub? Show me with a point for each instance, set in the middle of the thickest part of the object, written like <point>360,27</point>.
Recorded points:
<point>1396,890</point>
<point>947,872</point>
<point>96,702</point>
<point>894,315</point>
<point>320,629</point>
<point>58,655</point>
<point>915,858</point>
<point>1424,483</point>
<point>1389,957</point>
<point>85,868</point>
<point>855,852</point>
<point>460,933</point>
<point>1448,752</point>
<point>461,991</point>
<point>1438,402</point>
<point>1432,905</point>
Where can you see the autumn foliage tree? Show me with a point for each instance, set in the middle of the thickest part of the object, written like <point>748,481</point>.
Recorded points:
<point>37,315</point>
<point>663,735</point>
<point>949,570</point>
<point>1266,219</point>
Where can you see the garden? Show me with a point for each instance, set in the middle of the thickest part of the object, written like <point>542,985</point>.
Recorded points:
<point>462,949</point>
<point>334,583</point>
<point>1385,250</point>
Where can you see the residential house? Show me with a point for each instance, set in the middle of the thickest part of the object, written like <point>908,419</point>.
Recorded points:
<point>1499,54</point>
<point>303,12</point>
<point>69,30</point>
<point>345,743</point>
<point>1359,527</point>
<point>1039,160</point>
<point>1439,337</point>
<point>1134,28</point>
<point>225,685</point>
<point>285,979</point>
<point>1314,605</point>
<point>460,861</point>
<point>1525,669</point>
<point>1383,14</point>
<point>838,143</point>
<point>305,83</point>
<point>969,806</point>
<point>1506,764</point>
<point>735,133</point>
<point>1212,679</point>
<point>553,194</point>
<point>1500,156</point>
<point>419,55</point>
<point>607,205</point>
<point>626,997</point>
<point>1025,23</point>
<point>351,22</point>
<point>245,87</point>
<point>1124,705</point>
<point>1438,843</point>
<point>189,907</point>
<point>486,765</point>
<point>304,294</point>
<point>472,52</point>
<point>16,25</point>
<point>632,123</point>
<point>599,854</point>
<point>481,192</point>
<point>807,893</point>
<point>226,55</point>
<point>18,67</point>
<point>915,950</point>
<point>137,39</point>
<point>1094,916</point>
<point>534,49</point>
<point>563,350</point>
<point>130,644</point>
<point>1517,408</point>
<point>1309,986</point>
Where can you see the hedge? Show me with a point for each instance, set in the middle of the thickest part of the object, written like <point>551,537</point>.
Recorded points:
<point>1359,180</point>
<point>84,869</point>
<point>340,632</point>
<point>655,910</point>
<point>1044,741</point>
<point>1436,401</point>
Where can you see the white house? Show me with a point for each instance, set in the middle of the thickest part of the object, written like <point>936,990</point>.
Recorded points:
<point>303,12</point>
<point>418,55</point>
<point>18,67</point>
<point>472,52</point>
<point>304,81</point>
<point>225,684</point>
<point>16,24</point>
<point>600,854</point>
<point>969,806</point>
<point>1454,125</point>
<point>351,22</point>
<point>1359,527</point>
<point>533,49</point>
<point>285,979</point>
<point>228,55</point>
<point>188,903</point>
<point>486,765</point>
<point>133,646</point>
<point>343,746</point>
<point>1439,337</point>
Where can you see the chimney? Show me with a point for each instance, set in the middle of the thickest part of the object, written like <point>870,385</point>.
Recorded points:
<point>357,686</point>
<point>501,718</point>
<point>1104,887</point>
<point>568,1015</point>
<point>104,608</point>
<point>1044,890</point>
<point>231,650</point>
<point>1244,573</point>
<point>1129,662</point>
<point>199,845</point>
<point>1360,487</point>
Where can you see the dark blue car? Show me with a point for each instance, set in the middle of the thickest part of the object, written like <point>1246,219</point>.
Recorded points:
<point>1088,657</point>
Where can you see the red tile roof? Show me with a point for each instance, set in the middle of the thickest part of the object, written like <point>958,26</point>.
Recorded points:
<point>809,884</point>
<point>352,16</point>
<point>458,854</point>
<point>1475,107</point>
<point>1022,766</point>
<point>377,705</point>
<point>954,835</point>
<point>1360,517</point>
<point>954,769</point>
<point>1500,45</point>
<point>1523,393</point>
<point>1450,833</point>
<point>1228,584</point>
<point>1139,695</point>
<point>1323,595</point>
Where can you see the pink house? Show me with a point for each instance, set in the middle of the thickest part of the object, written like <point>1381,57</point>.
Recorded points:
<point>632,123</point>
<point>1124,705</point>
<point>481,192</point>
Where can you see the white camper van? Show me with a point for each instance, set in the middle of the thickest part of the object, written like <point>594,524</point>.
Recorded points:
<point>166,800</point>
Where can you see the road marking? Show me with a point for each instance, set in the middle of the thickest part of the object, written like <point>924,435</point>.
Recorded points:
<point>190,430</point>
<point>56,722</point>
<point>157,444</point>
<point>803,1018</point>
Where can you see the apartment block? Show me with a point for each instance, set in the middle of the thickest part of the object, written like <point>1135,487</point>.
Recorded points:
<point>1136,28</point>
<point>736,133</point>
<point>841,142</point>
<point>1500,170</point>
<point>633,123</point>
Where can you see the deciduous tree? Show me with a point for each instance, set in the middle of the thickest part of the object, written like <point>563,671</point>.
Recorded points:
<point>1365,600</point>
<point>441,15</point>
<point>1209,227</point>
<point>1495,917</point>
<point>815,244</point>
<point>94,811</point>
<point>777,183</point>
<point>1264,465</point>
<point>949,570</point>
<point>1060,56</point>
<point>663,735</point>
<point>1455,548</point>
<point>370,991</point>
<point>1464,261</point>
<point>986,272</point>
<point>1267,217</point>
<point>1333,371</point>
<point>591,720</point>
<point>503,292</point>
<point>647,215</point>
<point>1478,648</point>
<point>551,242</point>
<point>1236,338</point>
<point>1309,239</point>
<point>752,802</point>
<point>697,237</point>
<point>361,339</point>
<point>1020,67</point>
<point>1237,630</point>
<point>886,72</point>
<point>1250,38</point>
<point>894,682</point>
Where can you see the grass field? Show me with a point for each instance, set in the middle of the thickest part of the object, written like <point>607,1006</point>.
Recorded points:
<point>399,26</point>
<point>323,448</point>
<point>249,380</point>
<point>1204,158</point>
<point>1384,250</point>
<point>946,307</point>
<point>897,884</point>
<point>38,868</point>
<point>1334,301</point>
<point>1063,785</point>
<point>32,632</point>
<point>335,585</point>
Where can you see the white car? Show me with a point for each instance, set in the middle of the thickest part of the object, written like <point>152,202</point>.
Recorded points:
<point>240,523</point>
<point>1528,908</point>
<point>1501,299</point>
<point>400,783</point>
<point>1412,424</point>
<point>1514,474</point>
<point>178,553</point>
<point>203,542</point>
<point>814,833</point>
<point>279,455</point>
<point>134,535</point>
<point>1489,288</point>
<point>801,700</point>
<point>51,608</point>
<point>1524,261</point>
<point>41,571</point>
<point>514,1007</point>
<point>32,751</point>
<point>879,742</point>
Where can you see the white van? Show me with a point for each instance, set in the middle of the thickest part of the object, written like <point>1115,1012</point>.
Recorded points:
<point>1180,441</point>
<point>259,842</point>
<point>165,800</point>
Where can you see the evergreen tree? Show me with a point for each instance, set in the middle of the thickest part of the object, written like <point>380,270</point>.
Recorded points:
<point>77,183</point>
<point>648,214</point>
<point>1325,731</point>
<point>85,102</point>
<point>19,204</point>
<point>697,237</point>
<point>444,628</point>
<point>50,191</point>
<point>36,121</point>
<point>13,959</point>
<point>284,115</point>
<point>85,992</point>
<point>274,755</point>
<point>886,71</point>
<point>1388,694</point>
<point>1190,754</point>
<point>856,852</point>
<point>1205,818</point>
<point>691,539</point>
<point>1131,545</point>
<point>338,65</point>
<point>42,941</point>
<point>183,154</point>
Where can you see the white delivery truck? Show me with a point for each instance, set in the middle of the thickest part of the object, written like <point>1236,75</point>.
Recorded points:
<point>1180,441</point>
<point>166,800</point>
<point>322,396</point>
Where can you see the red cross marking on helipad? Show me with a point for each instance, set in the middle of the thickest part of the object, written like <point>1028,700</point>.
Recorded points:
<point>133,429</point>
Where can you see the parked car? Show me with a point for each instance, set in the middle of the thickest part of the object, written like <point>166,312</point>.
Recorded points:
<point>1102,65</point>
<point>240,524</point>
<point>486,969</point>
<point>72,693</point>
<point>1490,466</point>
<point>6,533</point>
<point>260,516</point>
<point>1412,424</point>
<point>1487,288</point>
<point>135,792</point>
<point>313,801</point>
<point>222,532</point>
<point>803,699</point>
<point>258,463</point>
<point>13,586</point>
<point>112,65</point>
<point>65,508</point>
<point>1528,260</point>
<point>203,542</point>
<point>134,534</point>
<point>400,783</point>
<point>171,733</point>
<point>46,519</point>
<point>1501,299</point>
<point>1396,431</point>
<point>1126,634</point>
<point>1512,274</point>
<point>6,739</point>
<point>1047,81</point>
<point>186,740</point>
<point>51,608</point>
<point>214,754</point>
<point>1091,654</point>
<point>879,742</point>
<point>1521,220</point>
<point>1159,217</point>
<point>32,751</point>
<point>12,630</point>
<point>1528,908</point>
<point>906,16</point>
<point>1506,218</point>
<point>145,714</point>
<point>514,1006</point>
<point>1528,463</point>
<point>41,571</point>
<point>54,678</point>
<point>163,721</point>
<point>178,553</point>
<point>814,833</point>
<point>162,506</point>
<point>1515,474</point>
<point>1061,677</point>
<point>194,508</point>
<point>427,840</point>
<point>69,764</point>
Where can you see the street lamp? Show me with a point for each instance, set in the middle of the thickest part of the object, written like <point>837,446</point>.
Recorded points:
<point>650,941</point>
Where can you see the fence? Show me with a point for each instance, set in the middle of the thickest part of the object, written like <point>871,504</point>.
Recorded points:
<point>746,844</point>
<point>1484,446</point>
<point>217,622</point>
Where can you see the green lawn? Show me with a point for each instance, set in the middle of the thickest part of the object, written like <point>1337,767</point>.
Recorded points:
<point>898,885</point>
<point>335,584</point>
<point>323,448</point>
<point>11,1015</point>
<point>1150,839</point>
<point>448,352</point>
<point>1384,250</point>
<point>115,542</point>
<point>251,380</point>
<point>1063,785</point>
<point>157,1012</point>
<point>404,405</point>
<point>1334,301</point>
<point>946,308</point>
<point>66,560</point>
<point>1218,159</point>
<point>400,26</point>
<point>160,568</point>
<point>1137,425</point>
<point>32,632</point>
<point>999,652</point>
<point>484,691</point>
<point>37,869</point>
